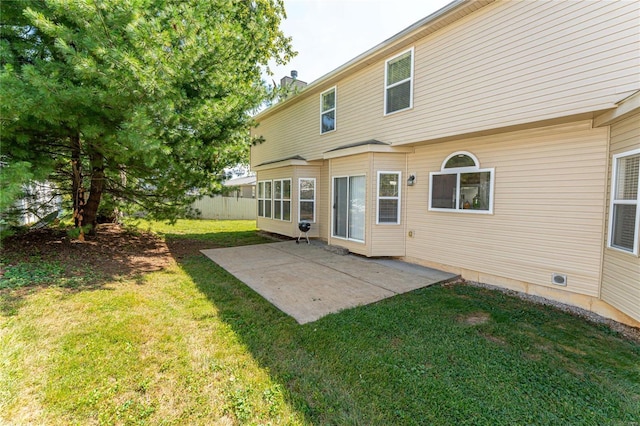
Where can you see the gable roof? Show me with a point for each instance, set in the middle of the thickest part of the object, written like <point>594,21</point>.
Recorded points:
<point>452,12</point>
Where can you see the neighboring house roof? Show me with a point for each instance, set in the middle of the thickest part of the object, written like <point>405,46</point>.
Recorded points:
<point>452,12</point>
<point>240,181</point>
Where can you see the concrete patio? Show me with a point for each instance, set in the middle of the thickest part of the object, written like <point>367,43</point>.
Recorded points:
<point>307,282</point>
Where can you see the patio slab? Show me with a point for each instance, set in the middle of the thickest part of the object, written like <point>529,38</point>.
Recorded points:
<point>308,282</point>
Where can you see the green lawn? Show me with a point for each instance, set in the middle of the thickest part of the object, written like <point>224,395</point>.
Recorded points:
<point>193,345</point>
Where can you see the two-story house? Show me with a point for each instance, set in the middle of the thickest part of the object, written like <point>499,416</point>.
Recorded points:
<point>495,139</point>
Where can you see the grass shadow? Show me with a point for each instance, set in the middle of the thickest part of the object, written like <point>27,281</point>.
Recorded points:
<point>48,257</point>
<point>44,258</point>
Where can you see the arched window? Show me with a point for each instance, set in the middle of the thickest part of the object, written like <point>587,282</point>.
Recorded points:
<point>460,159</point>
<point>461,185</point>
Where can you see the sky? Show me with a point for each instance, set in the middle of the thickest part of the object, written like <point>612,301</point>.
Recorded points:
<point>328,33</point>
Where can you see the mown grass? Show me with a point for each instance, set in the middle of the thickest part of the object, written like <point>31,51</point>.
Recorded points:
<point>193,345</point>
<point>222,233</point>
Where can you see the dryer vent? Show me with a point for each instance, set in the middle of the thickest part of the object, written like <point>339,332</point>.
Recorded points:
<point>559,279</point>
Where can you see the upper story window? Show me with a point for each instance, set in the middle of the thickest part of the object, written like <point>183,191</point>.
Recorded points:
<point>624,213</point>
<point>398,93</point>
<point>328,111</point>
<point>461,185</point>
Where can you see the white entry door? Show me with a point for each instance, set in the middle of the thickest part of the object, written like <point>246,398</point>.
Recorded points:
<point>349,207</point>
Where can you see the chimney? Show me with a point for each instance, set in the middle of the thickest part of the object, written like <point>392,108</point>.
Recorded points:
<point>292,81</point>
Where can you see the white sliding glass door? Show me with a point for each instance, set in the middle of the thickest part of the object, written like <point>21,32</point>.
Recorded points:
<point>349,207</point>
<point>340,206</point>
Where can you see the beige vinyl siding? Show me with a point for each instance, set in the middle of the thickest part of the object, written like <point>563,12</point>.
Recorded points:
<point>282,227</point>
<point>305,172</point>
<point>507,64</point>
<point>324,202</point>
<point>548,208</point>
<point>289,134</point>
<point>625,135</point>
<point>387,239</point>
<point>559,59</point>
<point>621,271</point>
<point>294,173</point>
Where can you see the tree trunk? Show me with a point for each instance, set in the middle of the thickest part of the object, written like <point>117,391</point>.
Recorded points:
<point>76,176</point>
<point>95,191</point>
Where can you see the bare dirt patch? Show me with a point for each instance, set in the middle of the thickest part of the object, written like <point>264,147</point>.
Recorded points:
<point>494,339</point>
<point>113,252</point>
<point>475,318</point>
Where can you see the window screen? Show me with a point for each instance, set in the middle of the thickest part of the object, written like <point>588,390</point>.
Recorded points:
<point>399,82</point>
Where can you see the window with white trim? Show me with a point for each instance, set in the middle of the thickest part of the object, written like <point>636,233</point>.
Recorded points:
<point>398,82</point>
<point>328,111</point>
<point>461,185</point>
<point>307,199</point>
<point>264,198</point>
<point>624,213</point>
<point>282,199</point>
<point>389,197</point>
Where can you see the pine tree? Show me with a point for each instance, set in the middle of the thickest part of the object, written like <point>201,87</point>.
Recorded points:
<point>145,101</point>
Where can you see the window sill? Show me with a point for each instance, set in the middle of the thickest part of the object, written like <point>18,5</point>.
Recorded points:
<point>348,239</point>
<point>623,251</point>
<point>463,211</point>
<point>387,114</point>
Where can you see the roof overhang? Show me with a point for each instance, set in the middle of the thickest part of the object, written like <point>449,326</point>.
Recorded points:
<point>296,160</point>
<point>624,108</point>
<point>365,147</point>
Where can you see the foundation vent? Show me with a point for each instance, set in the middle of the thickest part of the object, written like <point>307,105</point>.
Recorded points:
<point>559,279</point>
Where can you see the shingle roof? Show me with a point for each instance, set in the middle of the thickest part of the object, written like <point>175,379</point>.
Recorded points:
<point>351,145</point>
<point>294,157</point>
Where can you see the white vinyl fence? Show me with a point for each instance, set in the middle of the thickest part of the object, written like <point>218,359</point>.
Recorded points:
<point>40,200</point>
<point>226,208</point>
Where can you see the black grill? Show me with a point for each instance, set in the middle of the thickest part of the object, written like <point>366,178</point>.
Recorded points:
<point>304,228</point>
